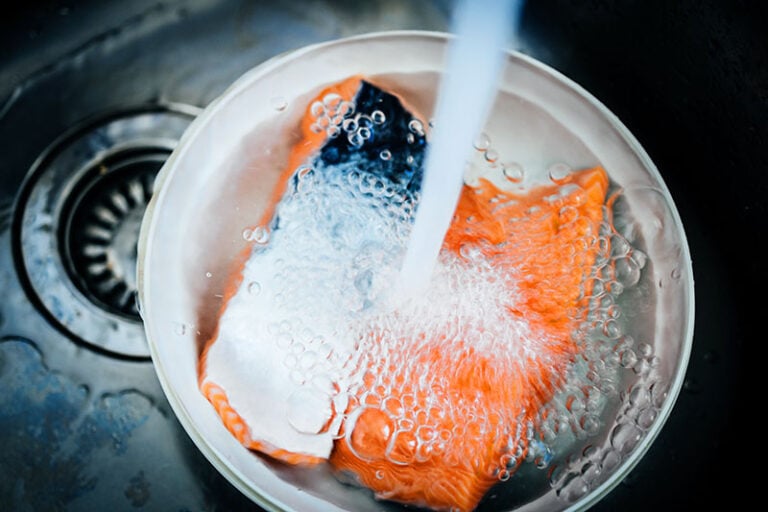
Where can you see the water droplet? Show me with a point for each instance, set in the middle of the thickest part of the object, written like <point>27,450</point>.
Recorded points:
<point>639,396</point>
<point>379,474</point>
<point>574,489</point>
<point>626,341</point>
<point>332,101</point>
<point>590,472</point>
<point>378,117</point>
<point>628,358</point>
<point>611,460</point>
<point>613,312</point>
<point>611,329</point>
<point>416,127</point>
<point>349,125</point>
<point>365,133</point>
<point>625,437</point>
<point>642,367</point>
<point>302,173</point>
<point>425,433</point>
<point>639,258</point>
<point>646,417</point>
<point>355,139</point>
<point>333,131</point>
<point>278,103</point>
<point>180,329</point>
<point>307,359</point>
<point>247,234</point>
<point>254,288</point>
<point>676,273</point>
<point>284,341</point>
<point>208,275</point>
<point>317,109</point>
<point>491,155</point>
<point>590,452</point>
<point>308,410</point>
<point>645,350</point>
<point>260,235</point>
<point>290,360</point>
<point>364,121</point>
<point>559,173</point>
<point>513,172</point>
<point>482,142</point>
<point>619,247</point>
<point>627,271</point>
<point>385,154</point>
<point>346,108</point>
<point>598,288</point>
<point>612,360</point>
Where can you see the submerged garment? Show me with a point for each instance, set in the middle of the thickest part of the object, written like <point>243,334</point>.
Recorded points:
<point>433,403</point>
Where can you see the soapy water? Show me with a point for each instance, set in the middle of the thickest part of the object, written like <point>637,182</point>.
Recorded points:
<point>320,295</point>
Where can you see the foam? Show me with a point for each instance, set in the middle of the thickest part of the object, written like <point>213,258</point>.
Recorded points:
<point>286,333</point>
<point>313,308</point>
<point>314,336</point>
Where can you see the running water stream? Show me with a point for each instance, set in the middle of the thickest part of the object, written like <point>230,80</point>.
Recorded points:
<point>467,90</point>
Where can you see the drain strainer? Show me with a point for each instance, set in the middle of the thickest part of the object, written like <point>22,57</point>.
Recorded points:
<point>101,224</point>
<point>78,224</point>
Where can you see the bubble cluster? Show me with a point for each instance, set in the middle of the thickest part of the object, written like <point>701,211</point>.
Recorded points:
<point>611,396</point>
<point>431,416</point>
<point>338,117</point>
<point>491,165</point>
<point>361,128</point>
<point>330,114</point>
<point>346,341</point>
<point>575,474</point>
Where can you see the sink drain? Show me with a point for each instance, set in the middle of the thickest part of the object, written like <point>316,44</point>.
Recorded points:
<point>101,227</point>
<point>78,222</point>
